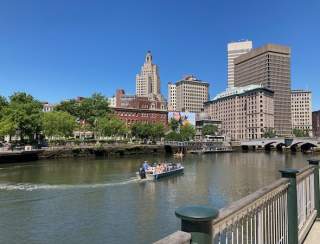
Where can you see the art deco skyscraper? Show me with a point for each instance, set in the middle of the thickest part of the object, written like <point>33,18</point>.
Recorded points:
<point>148,81</point>
<point>270,67</point>
<point>235,49</point>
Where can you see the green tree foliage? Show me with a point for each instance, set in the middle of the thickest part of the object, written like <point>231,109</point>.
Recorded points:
<point>22,115</point>
<point>87,110</point>
<point>147,131</point>
<point>269,133</point>
<point>58,124</point>
<point>3,104</point>
<point>174,124</point>
<point>110,126</point>
<point>173,136</point>
<point>209,130</point>
<point>187,132</point>
<point>300,133</point>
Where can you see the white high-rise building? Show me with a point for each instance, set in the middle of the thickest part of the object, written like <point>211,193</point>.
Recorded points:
<point>301,110</point>
<point>148,81</point>
<point>191,94</point>
<point>235,49</point>
<point>172,97</point>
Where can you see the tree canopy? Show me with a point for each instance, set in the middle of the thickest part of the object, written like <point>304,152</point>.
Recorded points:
<point>21,116</point>
<point>111,126</point>
<point>147,131</point>
<point>58,124</point>
<point>87,110</point>
<point>209,130</point>
<point>187,132</point>
<point>300,133</point>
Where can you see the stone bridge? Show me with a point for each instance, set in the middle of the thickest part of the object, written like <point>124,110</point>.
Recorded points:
<point>293,144</point>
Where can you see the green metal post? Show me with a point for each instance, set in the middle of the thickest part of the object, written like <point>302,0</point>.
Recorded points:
<point>197,220</point>
<point>292,204</point>
<point>315,163</point>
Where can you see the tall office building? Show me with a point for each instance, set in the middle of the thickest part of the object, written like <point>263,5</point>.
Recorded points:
<point>148,81</point>
<point>245,112</point>
<point>191,93</point>
<point>301,110</point>
<point>269,66</point>
<point>235,49</point>
<point>172,97</point>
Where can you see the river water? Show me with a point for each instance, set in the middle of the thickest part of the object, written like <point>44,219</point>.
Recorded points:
<point>101,201</point>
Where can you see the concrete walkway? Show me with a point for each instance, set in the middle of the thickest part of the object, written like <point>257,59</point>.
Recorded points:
<point>313,236</point>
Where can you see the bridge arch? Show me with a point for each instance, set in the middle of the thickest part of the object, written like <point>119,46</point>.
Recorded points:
<point>295,145</point>
<point>269,145</point>
<point>307,146</point>
<point>280,146</point>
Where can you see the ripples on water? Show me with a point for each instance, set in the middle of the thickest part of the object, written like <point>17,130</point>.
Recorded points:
<point>102,201</point>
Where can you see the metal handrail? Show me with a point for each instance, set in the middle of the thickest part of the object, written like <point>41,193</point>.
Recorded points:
<point>249,203</point>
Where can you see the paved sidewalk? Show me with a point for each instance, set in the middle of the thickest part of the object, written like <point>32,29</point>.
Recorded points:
<point>314,235</point>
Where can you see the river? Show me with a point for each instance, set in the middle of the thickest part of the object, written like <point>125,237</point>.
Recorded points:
<point>101,201</point>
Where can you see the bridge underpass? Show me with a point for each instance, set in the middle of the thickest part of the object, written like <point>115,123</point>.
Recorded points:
<point>282,144</point>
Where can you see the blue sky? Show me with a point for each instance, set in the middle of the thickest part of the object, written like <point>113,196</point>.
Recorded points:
<point>63,49</point>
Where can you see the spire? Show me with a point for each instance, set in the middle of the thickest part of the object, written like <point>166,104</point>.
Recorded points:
<point>149,57</point>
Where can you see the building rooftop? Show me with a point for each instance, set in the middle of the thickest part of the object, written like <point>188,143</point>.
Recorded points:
<point>300,91</point>
<point>261,50</point>
<point>237,91</point>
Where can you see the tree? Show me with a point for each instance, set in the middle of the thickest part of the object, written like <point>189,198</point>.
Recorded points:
<point>157,131</point>
<point>174,124</point>
<point>269,133</point>
<point>110,126</point>
<point>209,130</point>
<point>140,130</point>
<point>23,114</point>
<point>87,110</point>
<point>3,104</point>
<point>7,127</point>
<point>148,131</point>
<point>173,136</point>
<point>187,132</point>
<point>300,133</point>
<point>58,124</point>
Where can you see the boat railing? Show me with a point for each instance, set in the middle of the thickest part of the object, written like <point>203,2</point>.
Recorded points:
<point>282,212</point>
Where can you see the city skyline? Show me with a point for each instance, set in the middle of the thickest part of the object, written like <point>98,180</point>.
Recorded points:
<point>52,65</point>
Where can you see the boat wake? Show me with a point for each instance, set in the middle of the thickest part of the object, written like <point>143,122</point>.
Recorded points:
<point>34,187</point>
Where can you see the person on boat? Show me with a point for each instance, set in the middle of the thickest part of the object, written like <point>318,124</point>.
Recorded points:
<point>145,166</point>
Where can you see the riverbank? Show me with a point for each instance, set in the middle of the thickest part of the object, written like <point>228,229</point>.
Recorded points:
<point>114,150</point>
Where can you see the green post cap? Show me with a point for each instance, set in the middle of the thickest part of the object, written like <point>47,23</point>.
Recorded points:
<point>289,173</point>
<point>197,213</point>
<point>314,161</point>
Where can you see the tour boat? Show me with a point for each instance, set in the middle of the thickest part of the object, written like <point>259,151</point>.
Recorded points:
<point>157,171</point>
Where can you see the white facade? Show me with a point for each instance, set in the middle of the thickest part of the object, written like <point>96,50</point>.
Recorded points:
<point>148,81</point>
<point>112,102</point>
<point>235,49</point>
<point>191,94</point>
<point>301,110</point>
<point>172,97</point>
<point>47,107</point>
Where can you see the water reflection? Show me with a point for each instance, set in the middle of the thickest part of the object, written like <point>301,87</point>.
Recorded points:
<point>101,201</point>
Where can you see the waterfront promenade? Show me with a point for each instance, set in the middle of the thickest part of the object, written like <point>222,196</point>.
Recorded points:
<point>313,236</point>
<point>285,211</point>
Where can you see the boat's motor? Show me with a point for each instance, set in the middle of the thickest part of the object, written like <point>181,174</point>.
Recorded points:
<point>142,173</point>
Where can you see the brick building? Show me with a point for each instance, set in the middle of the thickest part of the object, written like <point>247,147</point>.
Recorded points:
<point>133,115</point>
<point>151,102</point>
<point>316,123</point>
